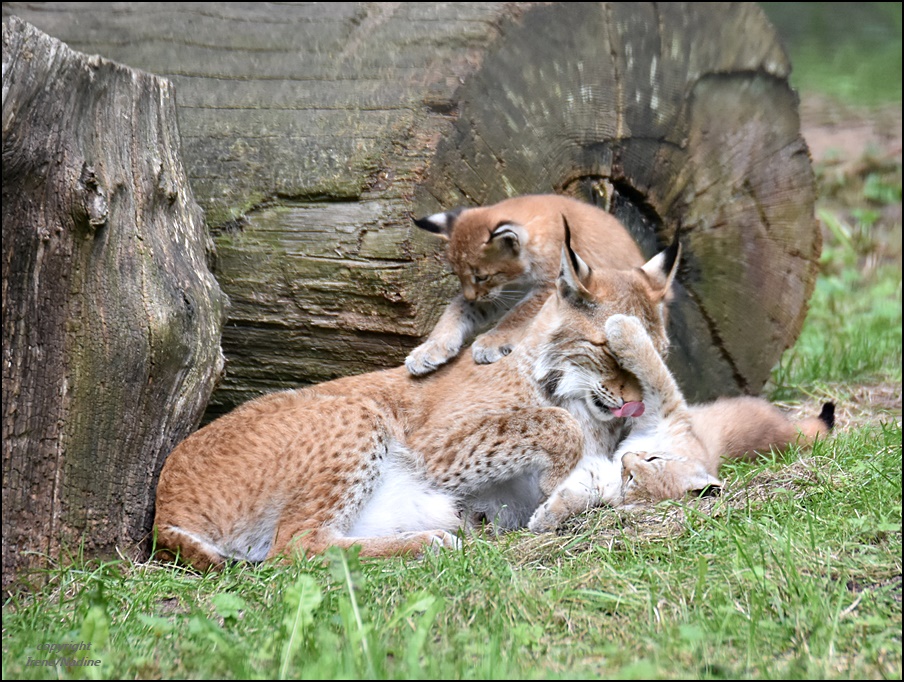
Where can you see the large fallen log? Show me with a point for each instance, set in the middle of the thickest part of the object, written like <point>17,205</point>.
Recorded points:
<point>111,319</point>
<point>313,132</point>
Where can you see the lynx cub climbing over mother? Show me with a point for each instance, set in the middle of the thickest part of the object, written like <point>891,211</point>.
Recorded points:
<point>673,448</point>
<point>394,463</point>
<point>507,258</point>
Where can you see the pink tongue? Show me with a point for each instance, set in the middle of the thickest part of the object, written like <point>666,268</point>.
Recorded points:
<point>630,409</point>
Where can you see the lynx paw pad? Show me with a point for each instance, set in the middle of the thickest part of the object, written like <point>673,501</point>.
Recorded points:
<point>488,349</point>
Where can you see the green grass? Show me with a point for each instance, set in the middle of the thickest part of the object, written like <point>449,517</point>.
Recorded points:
<point>853,328</point>
<point>794,573</point>
<point>848,51</point>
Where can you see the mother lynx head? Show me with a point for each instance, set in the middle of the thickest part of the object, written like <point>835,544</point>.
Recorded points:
<point>576,362</point>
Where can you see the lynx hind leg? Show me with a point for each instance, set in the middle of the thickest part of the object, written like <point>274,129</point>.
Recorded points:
<point>305,542</point>
<point>384,504</point>
<point>176,544</point>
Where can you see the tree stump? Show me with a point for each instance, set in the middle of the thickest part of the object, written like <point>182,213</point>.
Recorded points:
<point>314,132</point>
<point>111,318</point>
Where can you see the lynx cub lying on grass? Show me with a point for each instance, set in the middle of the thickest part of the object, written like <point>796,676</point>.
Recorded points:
<point>507,258</point>
<point>394,463</point>
<point>673,449</point>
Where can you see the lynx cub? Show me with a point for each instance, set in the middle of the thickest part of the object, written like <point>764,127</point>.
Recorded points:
<point>507,258</point>
<point>673,449</point>
<point>394,463</point>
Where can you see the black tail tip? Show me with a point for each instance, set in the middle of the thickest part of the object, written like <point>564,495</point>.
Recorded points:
<point>827,416</point>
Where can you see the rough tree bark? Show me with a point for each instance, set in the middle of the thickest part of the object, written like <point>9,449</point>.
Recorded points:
<point>111,318</point>
<point>313,132</point>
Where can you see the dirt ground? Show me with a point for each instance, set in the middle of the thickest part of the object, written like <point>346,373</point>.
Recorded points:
<point>843,136</point>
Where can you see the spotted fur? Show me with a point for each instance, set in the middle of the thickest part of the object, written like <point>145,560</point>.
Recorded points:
<point>398,464</point>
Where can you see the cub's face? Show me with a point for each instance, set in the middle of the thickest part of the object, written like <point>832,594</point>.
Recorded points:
<point>655,476</point>
<point>487,251</point>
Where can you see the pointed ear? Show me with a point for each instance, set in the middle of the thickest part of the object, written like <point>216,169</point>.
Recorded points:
<point>509,236</point>
<point>574,273</point>
<point>439,223</point>
<point>662,267</point>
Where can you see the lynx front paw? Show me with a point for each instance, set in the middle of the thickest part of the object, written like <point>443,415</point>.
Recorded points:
<point>542,521</point>
<point>428,356</point>
<point>620,329</point>
<point>489,348</point>
<point>551,514</point>
<point>444,540</point>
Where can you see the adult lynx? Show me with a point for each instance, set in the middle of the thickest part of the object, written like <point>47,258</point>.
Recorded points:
<point>673,449</point>
<point>507,259</point>
<point>395,463</point>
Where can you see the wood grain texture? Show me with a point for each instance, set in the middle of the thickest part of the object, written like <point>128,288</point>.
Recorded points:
<point>111,318</point>
<point>673,114</point>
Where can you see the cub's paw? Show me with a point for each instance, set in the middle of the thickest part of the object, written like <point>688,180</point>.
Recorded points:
<point>489,348</point>
<point>439,540</point>
<point>621,329</point>
<point>542,521</point>
<point>428,356</point>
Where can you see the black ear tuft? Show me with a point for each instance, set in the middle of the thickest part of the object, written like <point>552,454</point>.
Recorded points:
<point>426,224</point>
<point>671,254</point>
<point>708,491</point>
<point>571,254</point>
<point>827,416</point>
<point>439,223</point>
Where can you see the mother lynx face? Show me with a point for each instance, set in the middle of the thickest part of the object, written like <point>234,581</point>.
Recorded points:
<point>577,362</point>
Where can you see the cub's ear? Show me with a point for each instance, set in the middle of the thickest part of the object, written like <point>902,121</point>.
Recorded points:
<point>439,223</point>
<point>701,483</point>
<point>574,273</point>
<point>709,488</point>
<point>508,236</point>
<point>661,269</point>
